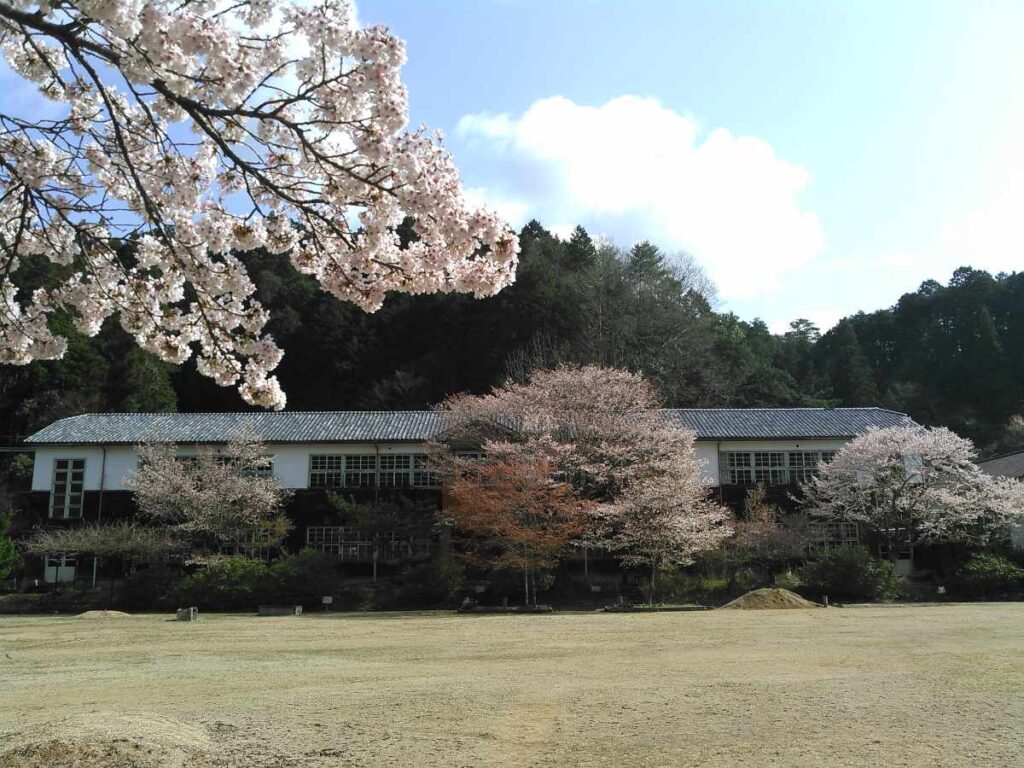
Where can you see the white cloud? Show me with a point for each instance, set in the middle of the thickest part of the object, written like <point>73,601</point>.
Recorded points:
<point>988,236</point>
<point>991,237</point>
<point>634,169</point>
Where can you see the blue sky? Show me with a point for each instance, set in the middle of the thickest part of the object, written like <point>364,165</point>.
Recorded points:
<point>816,157</point>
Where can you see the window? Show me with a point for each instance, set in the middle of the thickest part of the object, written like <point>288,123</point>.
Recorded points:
<point>361,471</point>
<point>834,535</point>
<point>737,469</point>
<point>402,470</point>
<point>326,471</point>
<point>264,467</point>
<point>771,467</point>
<point>362,546</point>
<point>421,478</point>
<point>252,542</point>
<point>394,471</point>
<point>803,465</point>
<point>59,569</point>
<point>68,487</point>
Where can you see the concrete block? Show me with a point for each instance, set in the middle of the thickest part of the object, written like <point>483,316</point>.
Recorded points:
<point>280,610</point>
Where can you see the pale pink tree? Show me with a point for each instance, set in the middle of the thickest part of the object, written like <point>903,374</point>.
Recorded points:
<point>918,481</point>
<point>600,431</point>
<point>667,519</point>
<point>213,500</point>
<point>178,134</point>
<point>191,508</point>
<point>597,428</point>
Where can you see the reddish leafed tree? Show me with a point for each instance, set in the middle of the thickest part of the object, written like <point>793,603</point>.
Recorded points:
<point>600,431</point>
<point>767,539</point>
<point>512,514</point>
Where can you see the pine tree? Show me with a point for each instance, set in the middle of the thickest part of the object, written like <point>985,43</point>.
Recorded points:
<point>850,373</point>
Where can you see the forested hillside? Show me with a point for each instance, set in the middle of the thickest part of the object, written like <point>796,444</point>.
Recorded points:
<point>946,354</point>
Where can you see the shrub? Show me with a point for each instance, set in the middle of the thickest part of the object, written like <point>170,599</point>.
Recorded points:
<point>987,574</point>
<point>153,587</point>
<point>303,579</point>
<point>789,581</point>
<point>427,585</point>
<point>850,573</point>
<point>234,583</point>
<point>9,556</point>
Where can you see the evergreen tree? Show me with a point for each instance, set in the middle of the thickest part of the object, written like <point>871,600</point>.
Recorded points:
<point>849,373</point>
<point>8,554</point>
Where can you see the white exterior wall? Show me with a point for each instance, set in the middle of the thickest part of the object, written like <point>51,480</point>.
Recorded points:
<point>709,450</point>
<point>121,461</point>
<point>291,461</point>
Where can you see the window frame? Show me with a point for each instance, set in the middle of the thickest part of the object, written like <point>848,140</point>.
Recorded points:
<point>354,470</point>
<point>67,508</point>
<point>775,466</point>
<point>333,466</point>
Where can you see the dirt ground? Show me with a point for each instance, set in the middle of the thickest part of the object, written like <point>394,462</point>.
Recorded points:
<point>892,686</point>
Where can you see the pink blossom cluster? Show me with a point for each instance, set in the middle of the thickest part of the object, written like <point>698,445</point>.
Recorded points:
<point>599,430</point>
<point>923,481</point>
<point>195,131</point>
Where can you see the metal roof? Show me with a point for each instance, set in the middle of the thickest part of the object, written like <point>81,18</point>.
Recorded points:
<point>419,426</point>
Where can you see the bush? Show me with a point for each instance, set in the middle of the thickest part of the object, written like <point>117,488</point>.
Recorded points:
<point>427,585</point>
<point>234,583</point>
<point>303,579</point>
<point>153,587</point>
<point>849,573</point>
<point>789,581</point>
<point>987,574</point>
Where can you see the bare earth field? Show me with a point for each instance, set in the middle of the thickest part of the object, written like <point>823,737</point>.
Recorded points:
<point>892,686</point>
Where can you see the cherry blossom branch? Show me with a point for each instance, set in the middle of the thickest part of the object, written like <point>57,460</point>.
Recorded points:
<point>300,147</point>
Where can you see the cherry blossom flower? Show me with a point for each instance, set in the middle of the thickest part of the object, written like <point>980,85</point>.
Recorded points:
<point>193,131</point>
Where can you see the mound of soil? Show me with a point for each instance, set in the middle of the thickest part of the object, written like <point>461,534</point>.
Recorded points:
<point>769,598</point>
<point>104,615</point>
<point>107,740</point>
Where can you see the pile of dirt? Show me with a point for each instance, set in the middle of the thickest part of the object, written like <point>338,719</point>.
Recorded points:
<point>107,740</point>
<point>104,615</point>
<point>761,599</point>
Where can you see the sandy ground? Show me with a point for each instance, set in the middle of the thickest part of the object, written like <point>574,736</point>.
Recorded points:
<point>892,686</point>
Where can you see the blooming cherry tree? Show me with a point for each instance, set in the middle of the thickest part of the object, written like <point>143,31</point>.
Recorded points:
<point>596,427</point>
<point>213,499</point>
<point>667,518</point>
<point>182,133</point>
<point>921,481</point>
<point>600,431</point>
